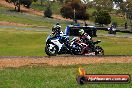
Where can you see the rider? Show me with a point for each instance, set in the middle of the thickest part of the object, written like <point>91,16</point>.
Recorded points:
<point>56,29</point>
<point>57,33</point>
<point>85,38</point>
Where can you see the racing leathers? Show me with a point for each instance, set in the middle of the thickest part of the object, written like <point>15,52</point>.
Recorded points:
<point>85,38</point>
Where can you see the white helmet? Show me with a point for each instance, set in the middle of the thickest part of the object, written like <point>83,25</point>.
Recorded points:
<point>81,31</point>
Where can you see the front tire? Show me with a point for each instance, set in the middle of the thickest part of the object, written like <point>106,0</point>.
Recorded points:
<point>51,49</point>
<point>99,50</point>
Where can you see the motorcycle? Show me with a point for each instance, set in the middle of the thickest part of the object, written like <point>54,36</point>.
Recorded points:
<point>86,49</point>
<point>62,45</point>
<point>58,45</point>
<point>112,30</point>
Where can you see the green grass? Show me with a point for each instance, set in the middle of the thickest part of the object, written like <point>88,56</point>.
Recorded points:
<point>117,33</point>
<point>116,46</point>
<point>90,10</point>
<point>120,21</point>
<point>31,20</point>
<point>55,7</point>
<point>22,43</point>
<point>60,76</point>
<point>31,43</point>
<point>11,16</point>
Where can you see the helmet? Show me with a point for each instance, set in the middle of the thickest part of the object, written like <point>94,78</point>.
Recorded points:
<point>81,31</point>
<point>57,23</point>
<point>56,29</point>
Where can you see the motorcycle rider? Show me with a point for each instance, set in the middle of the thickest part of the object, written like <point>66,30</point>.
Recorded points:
<point>56,30</point>
<point>57,33</point>
<point>85,38</point>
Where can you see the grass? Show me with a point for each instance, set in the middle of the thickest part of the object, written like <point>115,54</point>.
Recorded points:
<point>56,10</point>
<point>7,14</point>
<point>120,21</point>
<point>22,43</point>
<point>30,43</point>
<point>16,42</point>
<point>116,46</point>
<point>55,7</point>
<point>117,33</point>
<point>11,16</point>
<point>90,10</point>
<point>43,22</point>
<point>60,76</point>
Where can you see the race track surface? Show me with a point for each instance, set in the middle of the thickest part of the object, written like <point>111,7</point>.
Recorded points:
<point>61,60</point>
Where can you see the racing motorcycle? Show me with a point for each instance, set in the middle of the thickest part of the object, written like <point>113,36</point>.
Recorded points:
<point>62,45</point>
<point>58,45</point>
<point>86,49</point>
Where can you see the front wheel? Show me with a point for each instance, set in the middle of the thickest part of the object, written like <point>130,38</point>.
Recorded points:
<point>51,50</point>
<point>99,50</point>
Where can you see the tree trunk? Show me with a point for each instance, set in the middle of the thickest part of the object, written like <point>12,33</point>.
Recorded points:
<point>41,2</point>
<point>18,6</point>
<point>131,24</point>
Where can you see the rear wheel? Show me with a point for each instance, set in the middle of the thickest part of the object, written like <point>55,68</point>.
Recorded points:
<point>99,50</point>
<point>51,50</point>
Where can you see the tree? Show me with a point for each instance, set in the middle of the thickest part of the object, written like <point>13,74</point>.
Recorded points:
<point>102,17</point>
<point>103,4</point>
<point>17,3</point>
<point>126,8</point>
<point>61,1</point>
<point>41,2</point>
<point>48,12</point>
<point>129,11</point>
<point>74,10</point>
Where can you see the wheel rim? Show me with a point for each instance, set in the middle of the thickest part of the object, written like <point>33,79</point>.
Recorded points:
<point>100,51</point>
<point>51,48</point>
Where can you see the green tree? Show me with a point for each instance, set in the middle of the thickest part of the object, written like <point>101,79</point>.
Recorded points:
<point>129,11</point>
<point>74,10</point>
<point>103,4</point>
<point>17,3</point>
<point>102,17</point>
<point>125,7</point>
<point>48,12</point>
<point>61,1</point>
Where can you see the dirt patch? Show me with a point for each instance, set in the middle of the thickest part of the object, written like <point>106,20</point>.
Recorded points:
<point>57,61</point>
<point>13,24</point>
